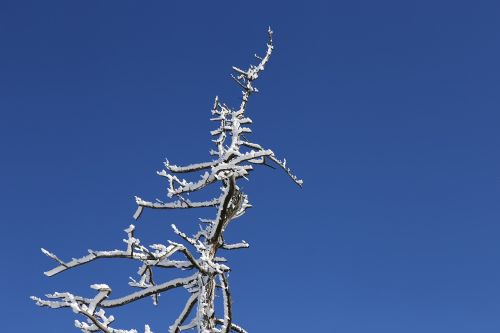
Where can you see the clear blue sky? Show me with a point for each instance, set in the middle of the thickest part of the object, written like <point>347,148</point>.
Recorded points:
<point>389,111</point>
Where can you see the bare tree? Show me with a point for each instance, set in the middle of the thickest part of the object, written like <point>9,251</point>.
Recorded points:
<point>234,157</point>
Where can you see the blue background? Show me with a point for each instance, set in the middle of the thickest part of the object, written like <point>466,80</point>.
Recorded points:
<point>389,111</point>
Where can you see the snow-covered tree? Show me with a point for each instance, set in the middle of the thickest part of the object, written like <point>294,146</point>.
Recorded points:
<point>234,157</point>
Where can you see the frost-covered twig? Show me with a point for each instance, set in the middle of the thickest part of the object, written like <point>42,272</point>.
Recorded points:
<point>234,327</point>
<point>282,164</point>
<point>172,205</point>
<point>97,320</point>
<point>242,245</point>
<point>188,255</point>
<point>176,327</point>
<point>134,251</point>
<point>228,315</point>
<point>175,283</point>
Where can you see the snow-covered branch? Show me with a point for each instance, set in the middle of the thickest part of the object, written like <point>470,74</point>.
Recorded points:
<point>189,168</point>
<point>69,300</point>
<point>176,327</point>
<point>134,251</point>
<point>234,327</point>
<point>175,283</point>
<point>245,78</point>
<point>242,245</point>
<point>223,213</point>
<point>282,165</point>
<point>97,320</point>
<point>188,255</point>
<point>228,315</point>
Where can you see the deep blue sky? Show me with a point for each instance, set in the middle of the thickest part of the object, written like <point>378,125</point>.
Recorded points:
<point>389,110</point>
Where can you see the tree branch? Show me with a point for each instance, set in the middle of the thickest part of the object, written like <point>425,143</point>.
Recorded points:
<point>172,205</point>
<point>234,327</point>
<point>282,164</point>
<point>236,246</point>
<point>176,327</point>
<point>228,315</point>
<point>132,244</point>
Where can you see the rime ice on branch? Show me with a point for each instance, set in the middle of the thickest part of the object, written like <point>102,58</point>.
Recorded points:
<point>235,157</point>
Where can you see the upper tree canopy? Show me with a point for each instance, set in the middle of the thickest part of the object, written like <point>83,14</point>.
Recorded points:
<point>235,157</point>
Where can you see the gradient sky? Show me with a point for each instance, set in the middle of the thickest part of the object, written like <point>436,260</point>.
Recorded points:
<point>389,111</point>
